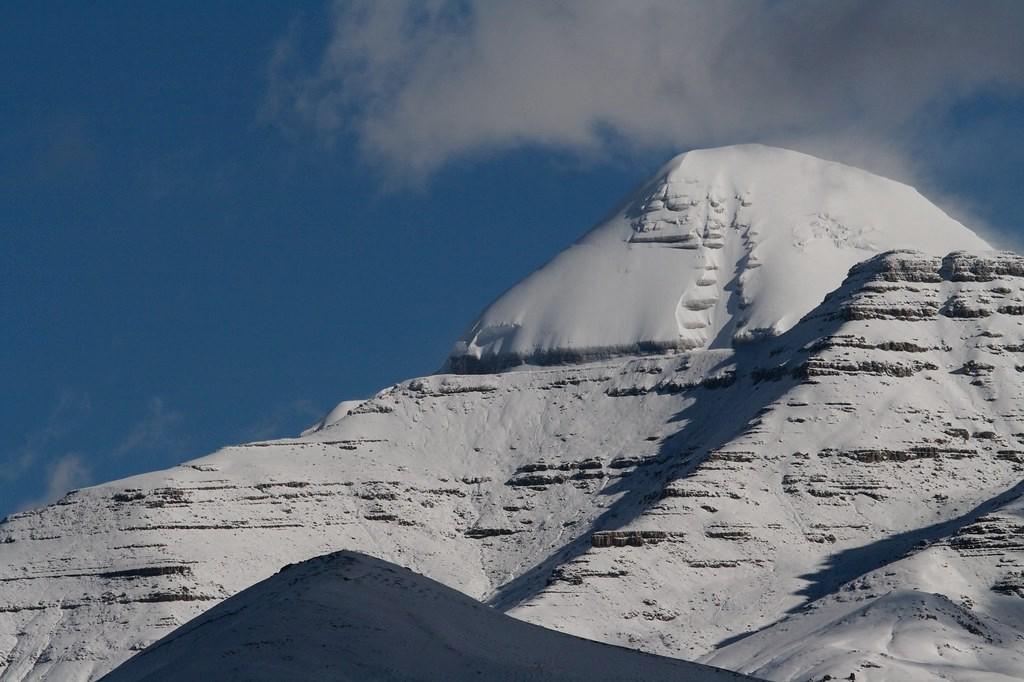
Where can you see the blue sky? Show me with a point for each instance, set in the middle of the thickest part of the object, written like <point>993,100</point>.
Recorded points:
<point>219,222</point>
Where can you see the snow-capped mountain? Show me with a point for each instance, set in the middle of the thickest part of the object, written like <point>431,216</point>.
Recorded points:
<point>347,616</point>
<point>722,246</point>
<point>748,431</point>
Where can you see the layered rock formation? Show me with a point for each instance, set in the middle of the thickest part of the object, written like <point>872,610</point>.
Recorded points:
<point>743,499</point>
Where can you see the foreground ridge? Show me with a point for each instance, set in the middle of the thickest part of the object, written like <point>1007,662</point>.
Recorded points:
<point>347,616</point>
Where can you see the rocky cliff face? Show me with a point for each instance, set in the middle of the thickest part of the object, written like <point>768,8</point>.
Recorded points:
<point>672,503</point>
<point>469,480</point>
<point>744,502</point>
<point>882,432</point>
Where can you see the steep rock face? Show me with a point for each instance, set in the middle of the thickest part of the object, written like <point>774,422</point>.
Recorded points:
<point>722,245</point>
<point>347,616</point>
<point>431,474</point>
<point>671,500</point>
<point>875,424</point>
<point>949,608</point>
<point>670,503</point>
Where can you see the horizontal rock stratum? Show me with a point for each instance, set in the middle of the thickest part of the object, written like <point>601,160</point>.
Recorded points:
<point>823,479</point>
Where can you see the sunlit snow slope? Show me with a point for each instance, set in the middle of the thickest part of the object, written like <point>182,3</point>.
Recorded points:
<point>721,245</point>
<point>347,616</point>
<point>837,497</point>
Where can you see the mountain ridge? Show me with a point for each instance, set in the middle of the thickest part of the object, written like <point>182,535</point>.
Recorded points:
<point>693,503</point>
<point>349,616</point>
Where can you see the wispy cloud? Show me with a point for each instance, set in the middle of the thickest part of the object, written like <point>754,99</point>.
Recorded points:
<point>158,429</point>
<point>286,418</point>
<point>69,413</point>
<point>54,452</point>
<point>63,474</point>
<point>418,84</point>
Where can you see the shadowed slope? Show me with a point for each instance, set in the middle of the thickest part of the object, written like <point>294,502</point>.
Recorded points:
<point>347,616</point>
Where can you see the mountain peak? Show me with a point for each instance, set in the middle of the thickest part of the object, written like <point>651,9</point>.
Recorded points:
<point>721,246</point>
<point>349,616</point>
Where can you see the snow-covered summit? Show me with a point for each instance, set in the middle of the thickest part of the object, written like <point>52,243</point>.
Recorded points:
<point>720,246</point>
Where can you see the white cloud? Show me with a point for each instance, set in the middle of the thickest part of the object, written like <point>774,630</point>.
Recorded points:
<point>69,413</point>
<point>53,454</point>
<point>158,429</point>
<point>64,474</point>
<point>282,419</point>
<point>418,84</point>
